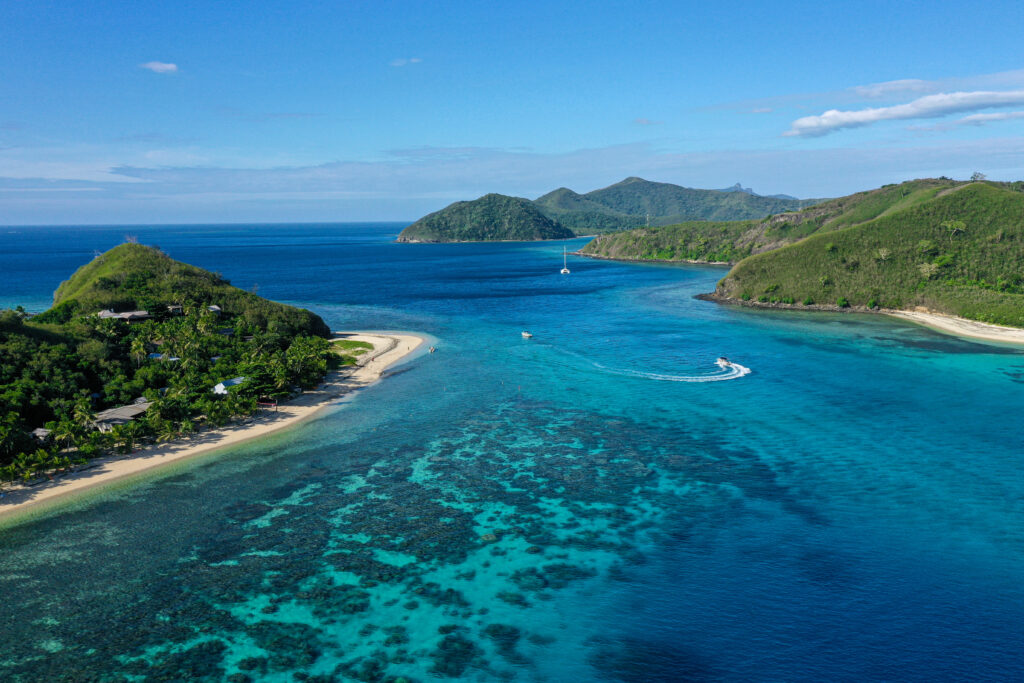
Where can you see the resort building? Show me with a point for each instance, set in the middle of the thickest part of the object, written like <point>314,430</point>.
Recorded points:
<point>108,419</point>
<point>125,315</point>
<point>222,387</point>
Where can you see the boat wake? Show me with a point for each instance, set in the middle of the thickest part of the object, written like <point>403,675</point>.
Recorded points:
<point>732,371</point>
<point>727,369</point>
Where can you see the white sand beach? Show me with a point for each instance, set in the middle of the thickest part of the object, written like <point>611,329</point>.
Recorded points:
<point>388,349</point>
<point>963,327</point>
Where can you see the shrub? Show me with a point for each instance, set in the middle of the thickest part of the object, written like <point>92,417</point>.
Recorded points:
<point>808,301</point>
<point>745,296</point>
<point>831,248</point>
<point>842,302</point>
<point>763,298</point>
<point>787,300</point>
<point>872,303</point>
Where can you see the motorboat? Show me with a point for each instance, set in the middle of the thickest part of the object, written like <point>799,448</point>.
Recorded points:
<point>724,362</point>
<point>527,335</point>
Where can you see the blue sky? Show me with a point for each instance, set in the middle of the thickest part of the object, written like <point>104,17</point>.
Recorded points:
<point>139,112</point>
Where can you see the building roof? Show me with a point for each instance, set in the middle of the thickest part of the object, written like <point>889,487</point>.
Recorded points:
<point>123,413</point>
<point>124,315</point>
<point>222,387</point>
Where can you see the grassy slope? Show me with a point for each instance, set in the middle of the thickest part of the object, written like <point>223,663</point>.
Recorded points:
<point>489,218</point>
<point>903,257</point>
<point>692,241</point>
<point>133,276</point>
<point>733,240</point>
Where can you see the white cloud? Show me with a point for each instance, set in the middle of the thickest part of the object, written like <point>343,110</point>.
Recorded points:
<point>981,119</point>
<point>972,120</point>
<point>160,67</point>
<point>929,106</point>
<point>404,61</point>
<point>647,122</point>
<point>888,88</point>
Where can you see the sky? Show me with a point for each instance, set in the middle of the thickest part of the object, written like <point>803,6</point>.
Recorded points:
<point>190,112</point>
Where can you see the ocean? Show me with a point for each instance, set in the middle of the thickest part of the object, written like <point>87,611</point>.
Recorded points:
<point>598,503</point>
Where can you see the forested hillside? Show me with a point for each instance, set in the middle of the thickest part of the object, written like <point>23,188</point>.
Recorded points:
<point>191,331</point>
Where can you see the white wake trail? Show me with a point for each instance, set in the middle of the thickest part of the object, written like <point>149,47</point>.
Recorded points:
<point>734,371</point>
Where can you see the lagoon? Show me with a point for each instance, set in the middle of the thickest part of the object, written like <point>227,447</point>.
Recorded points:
<point>569,507</point>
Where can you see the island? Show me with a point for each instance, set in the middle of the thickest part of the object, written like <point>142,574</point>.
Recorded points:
<point>928,249</point>
<point>493,217</point>
<point>563,214</point>
<point>143,360</point>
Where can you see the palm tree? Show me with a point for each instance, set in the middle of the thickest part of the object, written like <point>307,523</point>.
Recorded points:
<point>66,432</point>
<point>138,350</point>
<point>82,413</point>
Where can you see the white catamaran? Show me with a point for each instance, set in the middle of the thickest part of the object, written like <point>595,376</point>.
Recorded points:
<point>565,266</point>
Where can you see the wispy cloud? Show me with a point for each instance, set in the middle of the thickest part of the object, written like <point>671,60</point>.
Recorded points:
<point>404,61</point>
<point>160,67</point>
<point>890,88</point>
<point>761,110</point>
<point>972,120</point>
<point>405,184</point>
<point>929,106</point>
<point>894,90</point>
<point>647,122</point>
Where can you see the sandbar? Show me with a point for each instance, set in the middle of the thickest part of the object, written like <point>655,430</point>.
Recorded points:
<point>388,348</point>
<point>963,327</point>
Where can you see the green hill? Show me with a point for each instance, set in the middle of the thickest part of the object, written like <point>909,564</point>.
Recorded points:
<point>133,276</point>
<point>667,203</point>
<point>582,215</point>
<point>63,368</point>
<point>563,213</point>
<point>948,247</point>
<point>493,217</point>
<point>730,241</point>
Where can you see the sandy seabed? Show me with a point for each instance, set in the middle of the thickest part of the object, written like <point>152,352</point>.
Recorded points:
<point>20,502</point>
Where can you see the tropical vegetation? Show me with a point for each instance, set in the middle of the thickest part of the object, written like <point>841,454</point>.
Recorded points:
<point>563,213</point>
<point>960,252</point>
<point>489,218</point>
<point>59,368</point>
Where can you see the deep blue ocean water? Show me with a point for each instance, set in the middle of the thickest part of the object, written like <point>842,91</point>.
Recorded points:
<point>579,506</point>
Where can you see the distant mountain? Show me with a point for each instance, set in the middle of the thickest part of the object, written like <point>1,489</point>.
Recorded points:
<point>635,202</point>
<point>948,246</point>
<point>631,203</point>
<point>581,215</point>
<point>731,241</point>
<point>739,188</point>
<point>493,217</point>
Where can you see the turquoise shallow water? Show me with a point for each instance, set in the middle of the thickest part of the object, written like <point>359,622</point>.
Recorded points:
<point>572,507</point>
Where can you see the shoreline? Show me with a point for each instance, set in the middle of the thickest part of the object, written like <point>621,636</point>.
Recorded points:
<point>939,322</point>
<point>688,262</point>
<point>21,502</point>
<point>962,327</point>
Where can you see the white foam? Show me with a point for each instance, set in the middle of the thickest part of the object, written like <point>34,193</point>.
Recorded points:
<point>732,371</point>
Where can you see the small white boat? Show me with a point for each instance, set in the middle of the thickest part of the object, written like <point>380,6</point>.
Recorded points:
<point>527,335</point>
<point>565,266</point>
<point>724,362</point>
